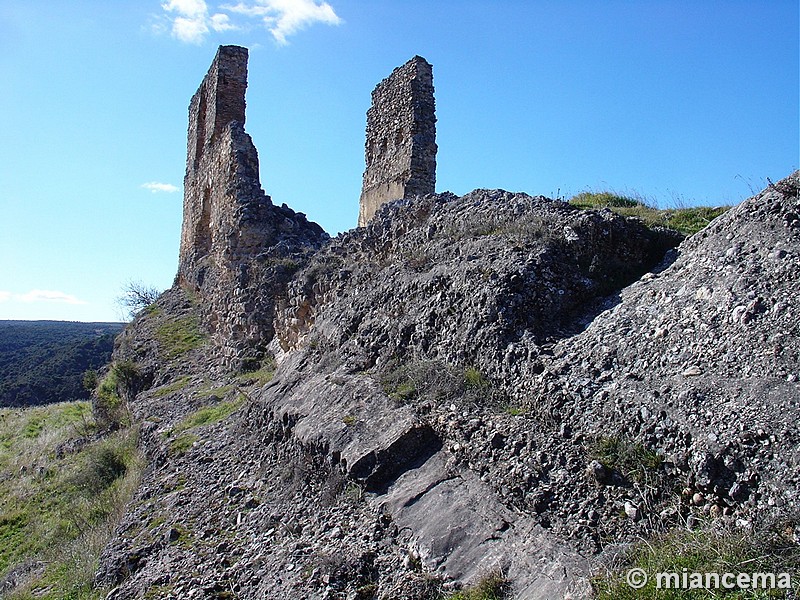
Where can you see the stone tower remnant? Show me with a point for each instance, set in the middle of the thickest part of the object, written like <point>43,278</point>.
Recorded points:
<point>401,138</point>
<point>234,242</point>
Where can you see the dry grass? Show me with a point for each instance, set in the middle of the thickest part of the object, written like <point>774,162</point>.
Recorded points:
<point>63,489</point>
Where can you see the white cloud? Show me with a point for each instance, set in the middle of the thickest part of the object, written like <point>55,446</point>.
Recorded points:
<point>48,296</point>
<point>191,21</point>
<point>189,24</point>
<point>285,17</point>
<point>221,22</point>
<point>155,187</point>
<point>4,296</point>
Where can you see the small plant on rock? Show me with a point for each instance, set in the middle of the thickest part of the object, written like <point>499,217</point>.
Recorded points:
<point>630,459</point>
<point>493,586</point>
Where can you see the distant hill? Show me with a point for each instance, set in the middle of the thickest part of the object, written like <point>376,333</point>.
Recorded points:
<point>44,361</point>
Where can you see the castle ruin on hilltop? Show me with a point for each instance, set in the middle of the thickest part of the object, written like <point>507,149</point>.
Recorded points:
<point>235,244</point>
<point>237,248</point>
<point>400,150</point>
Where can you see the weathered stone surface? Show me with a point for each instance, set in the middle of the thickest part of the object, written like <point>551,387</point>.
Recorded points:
<point>445,376</point>
<point>460,529</point>
<point>237,248</point>
<point>401,138</point>
<point>372,463</point>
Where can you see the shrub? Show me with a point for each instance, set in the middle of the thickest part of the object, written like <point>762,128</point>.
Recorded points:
<point>90,380</point>
<point>104,464</point>
<point>136,297</point>
<point>119,386</point>
<point>439,382</point>
<point>474,379</point>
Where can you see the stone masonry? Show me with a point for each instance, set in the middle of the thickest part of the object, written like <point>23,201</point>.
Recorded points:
<point>401,138</point>
<point>233,237</point>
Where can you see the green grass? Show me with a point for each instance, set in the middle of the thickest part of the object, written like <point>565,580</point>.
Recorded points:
<point>183,443</point>
<point>178,336</point>
<point>184,439</point>
<point>211,414</point>
<point>170,388</point>
<point>685,220</point>
<point>491,587</point>
<point>260,376</point>
<point>629,459</point>
<point>704,550</point>
<point>514,411</point>
<point>61,509</point>
<point>474,379</point>
<point>118,385</point>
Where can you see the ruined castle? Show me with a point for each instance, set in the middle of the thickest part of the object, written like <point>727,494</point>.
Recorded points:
<point>400,150</point>
<point>233,237</point>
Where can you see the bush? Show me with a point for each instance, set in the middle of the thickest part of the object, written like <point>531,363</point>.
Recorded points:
<point>136,296</point>
<point>439,382</point>
<point>474,379</point>
<point>114,391</point>
<point>630,459</point>
<point>104,464</point>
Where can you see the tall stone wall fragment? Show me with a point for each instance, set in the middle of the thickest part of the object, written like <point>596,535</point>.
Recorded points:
<point>237,248</point>
<point>401,147</point>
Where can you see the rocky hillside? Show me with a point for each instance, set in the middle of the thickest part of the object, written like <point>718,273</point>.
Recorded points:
<point>488,387</point>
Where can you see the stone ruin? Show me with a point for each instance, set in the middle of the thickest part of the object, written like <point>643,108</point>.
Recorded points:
<point>237,248</point>
<point>401,148</point>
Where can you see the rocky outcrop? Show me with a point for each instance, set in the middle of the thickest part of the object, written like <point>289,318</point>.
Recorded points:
<point>401,148</point>
<point>466,280</point>
<point>448,379</point>
<point>466,385</point>
<point>237,248</point>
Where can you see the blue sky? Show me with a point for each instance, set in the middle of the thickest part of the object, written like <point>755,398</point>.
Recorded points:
<point>683,102</point>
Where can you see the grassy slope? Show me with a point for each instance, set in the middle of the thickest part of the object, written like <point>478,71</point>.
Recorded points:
<point>686,220</point>
<point>62,489</point>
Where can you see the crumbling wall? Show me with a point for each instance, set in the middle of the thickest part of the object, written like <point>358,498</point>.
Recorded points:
<point>401,138</point>
<point>237,248</point>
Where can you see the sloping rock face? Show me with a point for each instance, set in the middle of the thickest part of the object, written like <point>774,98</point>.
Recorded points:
<point>336,478</point>
<point>701,362</point>
<point>466,280</point>
<point>445,379</point>
<point>234,241</point>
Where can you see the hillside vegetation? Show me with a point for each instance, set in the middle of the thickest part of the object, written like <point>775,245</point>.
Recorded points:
<point>687,220</point>
<point>63,487</point>
<point>44,361</point>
